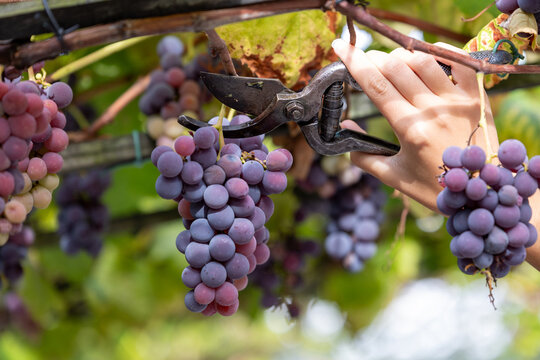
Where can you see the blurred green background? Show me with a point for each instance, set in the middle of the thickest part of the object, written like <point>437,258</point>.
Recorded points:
<point>410,302</point>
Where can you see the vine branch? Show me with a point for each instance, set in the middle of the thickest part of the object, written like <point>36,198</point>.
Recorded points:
<point>108,116</point>
<point>363,17</point>
<point>218,47</point>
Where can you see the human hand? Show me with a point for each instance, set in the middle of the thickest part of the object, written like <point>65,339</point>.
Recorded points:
<point>427,111</point>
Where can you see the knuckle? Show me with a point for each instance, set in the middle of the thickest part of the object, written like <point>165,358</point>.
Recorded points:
<point>377,86</point>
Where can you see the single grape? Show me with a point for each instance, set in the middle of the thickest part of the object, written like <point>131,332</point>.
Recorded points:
<point>237,267</point>
<point>221,219</point>
<point>252,172</point>
<point>184,145</point>
<point>197,254</point>
<point>274,182</point>
<point>452,157</point>
<point>191,304</point>
<point>506,6</point>
<point>533,235</point>
<point>192,173</point>
<point>512,153</point>
<point>213,274</point>
<point>518,235</point>
<point>170,164</point>
<point>480,221</point>
<point>222,248</point>
<point>530,6</point>
<point>490,174</point>
<point>514,256</point>
<point>194,193</point>
<point>182,241</point>
<point>201,231</point>
<point>456,179</point>
<point>466,266</point>
<point>508,195</point>
<point>533,166</point>
<point>216,196</point>
<point>60,93</point>
<point>242,208</point>
<point>496,241</point>
<point>241,231</point>
<point>525,184</point>
<point>226,294</point>
<point>506,216</point>
<point>473,158</point>
<point>476,189</point>
<point>338,245</point>
<point>168,188</point>
<point>470,245</point>
<point>157,152</point>
<point>483,261</point>
<point>203,294</point>
<point>214,174</point>
<point>490,201</point>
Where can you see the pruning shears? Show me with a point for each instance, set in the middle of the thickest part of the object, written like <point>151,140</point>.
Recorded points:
<point>272,104</point>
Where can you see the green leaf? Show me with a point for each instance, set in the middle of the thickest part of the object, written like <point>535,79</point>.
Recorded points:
<point>284,46</point>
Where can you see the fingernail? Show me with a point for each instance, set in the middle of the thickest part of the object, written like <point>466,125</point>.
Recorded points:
<point>338,44</point>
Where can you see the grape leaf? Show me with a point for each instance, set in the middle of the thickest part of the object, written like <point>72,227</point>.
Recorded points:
<point>286,46</point>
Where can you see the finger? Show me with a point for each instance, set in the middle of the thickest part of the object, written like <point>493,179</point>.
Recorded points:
<point>351,125</point>
<point>377,165</point>
<point>403,78</point>
<point>382,93</point>
<point>464,76</point>
<point>427,69</point>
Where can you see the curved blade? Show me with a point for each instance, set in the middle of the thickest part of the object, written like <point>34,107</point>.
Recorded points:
<point>249,95</point>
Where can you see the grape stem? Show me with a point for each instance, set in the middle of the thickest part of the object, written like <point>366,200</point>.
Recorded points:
<point>490,282</point>
<point>219,127</point>
<point>31,75</point>
<point>479,14</point>
<point>352,32</point>
<point>483,122</point>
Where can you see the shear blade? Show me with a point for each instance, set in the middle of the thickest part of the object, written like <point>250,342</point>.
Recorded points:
<point>249,95</point>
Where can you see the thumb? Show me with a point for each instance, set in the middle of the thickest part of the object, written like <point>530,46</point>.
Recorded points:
<point>343,50</point>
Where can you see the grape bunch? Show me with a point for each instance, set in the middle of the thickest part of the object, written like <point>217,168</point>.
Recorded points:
<point>356,214</point>
<point>282,276</point>
<point>172,92</point>
<point>31,137</point>
<point>222,196</point>
<point>13,252</point>
<point>488,206</point>
<point>530,6</point>
<point>82,218</point>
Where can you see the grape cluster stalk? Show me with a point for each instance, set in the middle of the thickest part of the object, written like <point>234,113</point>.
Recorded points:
<point>222,196</point>
<point>488,206</point>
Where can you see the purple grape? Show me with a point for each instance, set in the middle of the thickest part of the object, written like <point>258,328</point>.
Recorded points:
<point>365,250</point>
<point>453,200</point>
<point>194,193</point>
<point>480,221</point>
<point>499,269</point>
<point>490,174</point>
<point>170,164</point>
<point>508,195</point>
<point>496,241</point>
<point>473,158</point>
<point>182,241</point>
<point>525,212</point>
<point>366,230</point>
<point>216,196</point>
<point>530,6</point>
<point>197,254</point>
<point>241,231</point>
<point>533,166</point>
<point>274,182</point>
<point>470,245</point>
<point>279,160</point>
<point>452,157</point>
<point>518,235</point>
<point>192,173</point>
<point>243,208</point>
<point>483,261</point>
<point>204,137</point>
<point>512,153</point>
<point>456,179</point>
<point>170,45</point>
<point>454,247</point>
<point>262,235</point>
<point>237,267</point>
<point>201,231</point>
<point>338,244</point>
<point>191,304</point>
<point>490,201</point>
<point>352,263</point>
<point>525,184</point>
<point>506,216</point>
<point>14,102</point>
<point>476,189</point>
<point>466,266</point>
<point>168,188</point>
<point>252,172</point>
<point>60,93</point>
<point>222,247</point>
<point>205,157</point>
<point>221,219</point>
<point>347,222</point>
<point>257,218</point>
<point>237,188</point>
<point>255,193</point>
<point>191,277</point>
<point>506,6</point>
<point>366,209</point>
<point>251,143</point>
<point>213,274</point>
<point>450,226</point>
<point>231,164</point>
<point>533,235</point>
<point>214,175</point>
<point>231,149</point>
<point>514,256</point>
<point>443,206</point>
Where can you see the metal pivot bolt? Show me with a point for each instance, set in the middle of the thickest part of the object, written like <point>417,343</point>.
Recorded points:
<point>294,110</point>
